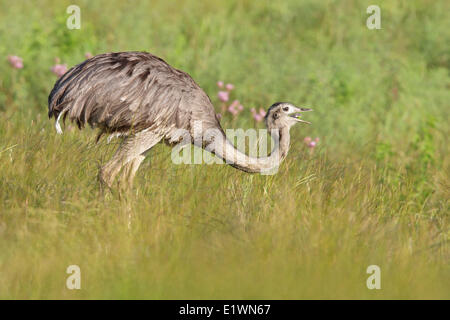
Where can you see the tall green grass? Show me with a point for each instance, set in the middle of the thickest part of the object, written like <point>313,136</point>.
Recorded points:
<point>375,191</point>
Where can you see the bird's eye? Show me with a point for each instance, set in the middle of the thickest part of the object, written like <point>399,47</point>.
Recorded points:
<point>286,109</point>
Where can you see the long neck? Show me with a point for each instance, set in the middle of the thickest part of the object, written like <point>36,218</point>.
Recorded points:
<point>224,149</point>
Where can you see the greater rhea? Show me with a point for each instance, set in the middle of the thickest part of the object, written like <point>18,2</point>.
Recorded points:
<point>141,97</point>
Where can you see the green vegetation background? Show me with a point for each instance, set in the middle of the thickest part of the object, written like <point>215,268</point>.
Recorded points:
<point>375,191</point>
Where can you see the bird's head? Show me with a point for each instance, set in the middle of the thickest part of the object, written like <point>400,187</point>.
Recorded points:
<point>284,115</point>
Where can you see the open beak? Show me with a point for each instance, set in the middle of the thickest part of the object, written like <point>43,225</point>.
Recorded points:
<point>297,115</point>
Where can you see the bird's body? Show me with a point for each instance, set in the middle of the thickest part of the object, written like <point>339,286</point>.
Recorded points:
<point>140,96</point>
<point>129,92</point>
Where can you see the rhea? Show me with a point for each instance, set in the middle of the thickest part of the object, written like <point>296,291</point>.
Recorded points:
<point>142,98</point>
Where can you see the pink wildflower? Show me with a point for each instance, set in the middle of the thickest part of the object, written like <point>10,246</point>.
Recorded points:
<point>229,87</point>
<point>220,84</point>
<point>258,116</point>
<point>232,110</point>
<point>234,104</point>
<point>310,143</point>
<point>88,55</point>
<point>262,112</point>
<point>235,107</point>
<point>59,69</point>
<point>223,96</point>
<point>16,62</point>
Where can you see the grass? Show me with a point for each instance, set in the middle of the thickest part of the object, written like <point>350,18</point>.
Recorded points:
<point>375,191</point>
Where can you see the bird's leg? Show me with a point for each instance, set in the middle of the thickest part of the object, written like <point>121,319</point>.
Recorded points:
<point>109,171</point>
<point>129,171</point>
<point>127,151</point>
<point>130,152</point>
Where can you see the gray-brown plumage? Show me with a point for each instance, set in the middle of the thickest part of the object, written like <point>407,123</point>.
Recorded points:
<point>119,92</point>
<point>140,96</point>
